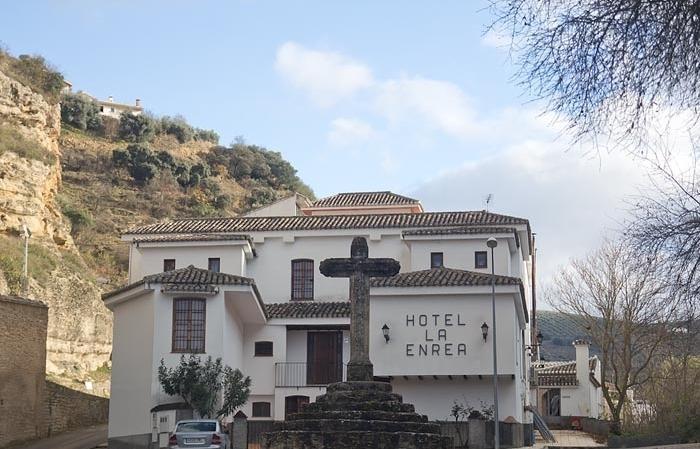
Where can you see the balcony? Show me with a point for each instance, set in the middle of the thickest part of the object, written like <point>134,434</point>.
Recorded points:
<point>303,374</point>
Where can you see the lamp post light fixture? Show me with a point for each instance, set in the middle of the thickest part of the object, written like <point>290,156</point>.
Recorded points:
<point>493,243</point>
<point>484,330</point>
<point>535,346</point>
<point>385,332</point>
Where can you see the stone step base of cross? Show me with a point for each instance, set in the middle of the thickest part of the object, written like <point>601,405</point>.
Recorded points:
<point>357,415</point>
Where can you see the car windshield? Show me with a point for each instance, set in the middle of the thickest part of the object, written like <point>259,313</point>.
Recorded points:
<point>196,426</point>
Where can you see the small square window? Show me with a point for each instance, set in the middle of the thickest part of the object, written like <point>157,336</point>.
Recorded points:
<point>436,260</point>
<point>481,259</point>
<point>263,349</point>
<point>214,264</point>
<point>168,264</point>
<point>261,409</point>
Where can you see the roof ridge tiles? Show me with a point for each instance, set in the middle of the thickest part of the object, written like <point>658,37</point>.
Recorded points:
<point>323,222</point>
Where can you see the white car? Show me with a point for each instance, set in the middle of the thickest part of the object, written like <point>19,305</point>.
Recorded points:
<point>198,433</point>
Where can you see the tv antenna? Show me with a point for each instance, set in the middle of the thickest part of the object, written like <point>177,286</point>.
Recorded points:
<point>489,199</point>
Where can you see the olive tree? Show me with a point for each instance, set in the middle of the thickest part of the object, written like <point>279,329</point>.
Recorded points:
<point>210,388</point>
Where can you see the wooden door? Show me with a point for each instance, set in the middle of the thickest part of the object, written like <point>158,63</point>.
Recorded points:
<point>324,358</point>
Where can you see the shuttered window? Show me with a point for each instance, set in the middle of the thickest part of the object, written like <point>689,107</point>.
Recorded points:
<point>302,279</point>
<point>261,409</point>
<point>189,324</point>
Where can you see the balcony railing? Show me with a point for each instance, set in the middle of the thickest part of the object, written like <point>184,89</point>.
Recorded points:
<point>303,374</point>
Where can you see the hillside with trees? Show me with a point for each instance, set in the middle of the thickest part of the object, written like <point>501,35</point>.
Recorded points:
<point>74,179</point>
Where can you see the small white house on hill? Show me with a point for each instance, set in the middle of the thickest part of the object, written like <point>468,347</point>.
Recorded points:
<point>248,290</point>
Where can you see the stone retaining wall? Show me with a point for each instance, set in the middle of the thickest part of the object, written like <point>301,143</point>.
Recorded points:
<point>22,367</point>
<point>70,409</point>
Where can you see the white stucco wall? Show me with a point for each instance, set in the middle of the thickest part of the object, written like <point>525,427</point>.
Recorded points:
<point>286,207</point>
<point>459,319</point>
<point>132,361</point>
<point>459,254</point>
<point>435,398</point>
<point>262,369</point>
<point>147,260</point>
<point>272,268</point>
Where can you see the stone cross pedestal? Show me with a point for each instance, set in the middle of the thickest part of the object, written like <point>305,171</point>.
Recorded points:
<point>359,268</point>
<point>359,413</point>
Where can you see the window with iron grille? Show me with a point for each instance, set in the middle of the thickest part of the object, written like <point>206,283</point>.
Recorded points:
<point>261,409</point>
<point>302,279</point>
<point>189,319</point>
<point>168,264</point>
<point>263,349</point>
<point>481,259</point>
<point>435,260</point>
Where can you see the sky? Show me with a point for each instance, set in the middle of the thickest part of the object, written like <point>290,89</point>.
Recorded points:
<point>413,97</point>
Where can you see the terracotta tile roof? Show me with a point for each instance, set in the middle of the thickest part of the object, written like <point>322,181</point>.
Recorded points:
<point>190,279</point>
<point>308,309</point>
<point>552,374</point>
<point>327,222</point>
<point>192,238</point>
<point>459,230</point>
<point>350,199</point>
<point>442,277</point>
<point>463,230</point>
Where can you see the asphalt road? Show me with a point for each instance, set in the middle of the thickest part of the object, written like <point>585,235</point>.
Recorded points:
<point>86,438</point>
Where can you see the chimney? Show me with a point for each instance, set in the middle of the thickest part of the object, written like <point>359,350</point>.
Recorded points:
<point>138,102</point>
<point>582,355</point>
<point>110,99</point>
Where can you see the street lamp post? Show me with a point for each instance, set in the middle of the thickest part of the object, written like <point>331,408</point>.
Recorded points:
<point>492,243</point>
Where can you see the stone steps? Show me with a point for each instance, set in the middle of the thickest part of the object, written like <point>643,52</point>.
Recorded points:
<point>360,414</point>
<point>357,415</point>
<point>289,439</point>
<point>351,425</point>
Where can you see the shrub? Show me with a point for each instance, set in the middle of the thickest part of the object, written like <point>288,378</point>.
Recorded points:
<point>81,112</point>
<point>79,217</point>
<point>11,140</point>
<point>260,196</point>
<point>178,127</point>
<point>35,73</point>
<point>206,135</point>
<point>136,128</point>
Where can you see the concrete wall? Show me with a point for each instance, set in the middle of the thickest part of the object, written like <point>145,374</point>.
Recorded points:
<point>22,367</point>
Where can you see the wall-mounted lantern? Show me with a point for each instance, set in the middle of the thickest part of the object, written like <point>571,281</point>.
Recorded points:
<point>385,332</point>
<point>484,330</point>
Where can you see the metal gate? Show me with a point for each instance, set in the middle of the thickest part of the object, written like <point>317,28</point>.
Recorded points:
<point>255,430</point>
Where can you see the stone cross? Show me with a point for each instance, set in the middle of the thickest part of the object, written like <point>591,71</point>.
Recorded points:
<point>359,268</point>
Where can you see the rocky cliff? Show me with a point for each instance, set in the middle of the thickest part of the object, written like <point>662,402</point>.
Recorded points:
<point>79,329</point>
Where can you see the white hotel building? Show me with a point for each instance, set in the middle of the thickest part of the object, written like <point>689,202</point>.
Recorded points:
<point>247,289</point>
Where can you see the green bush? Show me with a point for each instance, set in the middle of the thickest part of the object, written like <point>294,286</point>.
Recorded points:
<point>35,73</point>
<point>78,217</point>
<point>206,135</point>
<point>81,112</point>
<point>144,164</point>
<point>137,128</point>
<point>11,140</point>
<point>178,127</point>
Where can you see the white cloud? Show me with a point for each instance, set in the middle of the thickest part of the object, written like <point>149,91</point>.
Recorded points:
<point>349,131</point>
<point>326,76</point>
<point>571,200</point>
<point>439,104</point>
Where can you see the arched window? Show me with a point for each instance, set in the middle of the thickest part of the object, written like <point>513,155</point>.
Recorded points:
<point>302,279</point>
